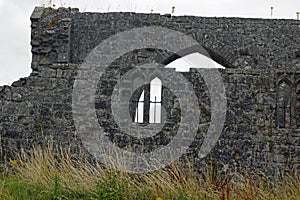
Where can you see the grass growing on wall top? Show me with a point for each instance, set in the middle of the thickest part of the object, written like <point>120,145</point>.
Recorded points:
<point>39,176</point>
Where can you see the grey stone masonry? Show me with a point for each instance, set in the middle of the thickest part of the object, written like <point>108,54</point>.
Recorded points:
<point>261,76</point>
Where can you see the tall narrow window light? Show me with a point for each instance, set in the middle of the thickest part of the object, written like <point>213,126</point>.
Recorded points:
<point>139,112</point>
<point>284,105</point>
<point>155,101</point>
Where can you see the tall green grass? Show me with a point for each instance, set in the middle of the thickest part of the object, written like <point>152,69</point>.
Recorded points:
<point>41,175</point>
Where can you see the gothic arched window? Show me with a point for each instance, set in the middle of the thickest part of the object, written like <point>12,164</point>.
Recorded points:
<point>154,104</point>
<point>298,104</point>
<point>148,103</point>
<point>284,104</point>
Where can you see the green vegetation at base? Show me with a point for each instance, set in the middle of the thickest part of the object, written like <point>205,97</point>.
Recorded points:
<point>41,175</point>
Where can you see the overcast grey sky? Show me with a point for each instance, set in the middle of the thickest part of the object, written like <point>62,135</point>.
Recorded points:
<point>15,56</point>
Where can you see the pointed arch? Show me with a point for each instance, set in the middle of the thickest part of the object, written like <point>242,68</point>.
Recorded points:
<point>202,50</point>
<point>193,60</point>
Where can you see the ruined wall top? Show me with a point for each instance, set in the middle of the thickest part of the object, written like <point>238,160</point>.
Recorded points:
<point>65,35</point>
